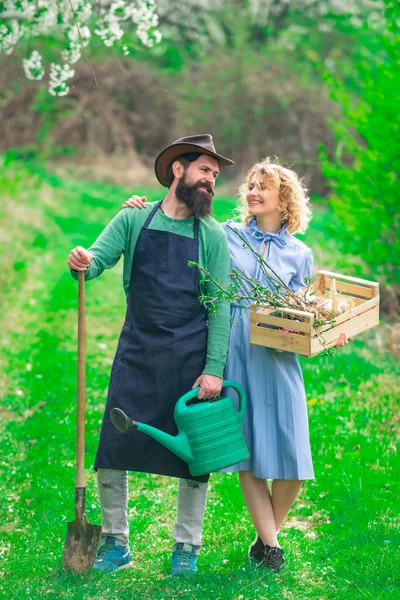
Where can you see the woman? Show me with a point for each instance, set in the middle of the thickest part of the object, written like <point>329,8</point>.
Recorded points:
<point>274,206</point>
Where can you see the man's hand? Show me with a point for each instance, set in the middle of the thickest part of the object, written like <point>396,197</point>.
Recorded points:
<point>210,386</point>
<point>79,259</point>
<point>135,202</point>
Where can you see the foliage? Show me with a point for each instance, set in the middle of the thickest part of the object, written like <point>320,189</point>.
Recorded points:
<point>258,104</point>
<point>73,24</point>
<point>364,171</point>
<point>226,23</point>
<point>130,112</point>
<point>191,28</point>
<point>253,104</point>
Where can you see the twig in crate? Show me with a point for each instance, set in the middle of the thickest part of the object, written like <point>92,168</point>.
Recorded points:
<point>245,290</point>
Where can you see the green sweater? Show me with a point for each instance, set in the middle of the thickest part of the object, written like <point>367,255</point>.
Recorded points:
<point>120,236</point>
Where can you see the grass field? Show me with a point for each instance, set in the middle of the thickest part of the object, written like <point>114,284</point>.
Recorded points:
<point>342,538</point>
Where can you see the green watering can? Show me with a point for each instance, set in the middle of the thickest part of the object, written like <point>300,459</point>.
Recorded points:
<point>209,433</point>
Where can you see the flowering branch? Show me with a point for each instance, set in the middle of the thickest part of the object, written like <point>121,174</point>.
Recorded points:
<point>72,21</point>
<point>83,46</point>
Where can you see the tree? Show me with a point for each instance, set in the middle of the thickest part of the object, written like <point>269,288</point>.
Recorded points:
<point>196,23</point>
<point>364,172</point>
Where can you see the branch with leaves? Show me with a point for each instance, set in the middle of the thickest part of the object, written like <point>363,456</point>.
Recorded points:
<point>244,290</point>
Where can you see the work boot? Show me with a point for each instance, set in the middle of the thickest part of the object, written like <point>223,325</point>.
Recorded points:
<point>111,556</point>
<point>184,559</point>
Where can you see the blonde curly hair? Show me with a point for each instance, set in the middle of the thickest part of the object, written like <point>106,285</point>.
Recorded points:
<point>294,201</point>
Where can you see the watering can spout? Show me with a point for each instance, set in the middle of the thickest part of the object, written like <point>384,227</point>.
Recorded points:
<point>178,444</point>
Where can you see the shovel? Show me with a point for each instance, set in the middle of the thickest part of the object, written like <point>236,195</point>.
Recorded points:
<point>80,547</point>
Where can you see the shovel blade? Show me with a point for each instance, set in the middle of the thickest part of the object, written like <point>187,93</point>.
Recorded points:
<point>80,547</point>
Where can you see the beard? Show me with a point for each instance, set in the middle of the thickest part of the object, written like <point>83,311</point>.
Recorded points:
<point>199,201</point>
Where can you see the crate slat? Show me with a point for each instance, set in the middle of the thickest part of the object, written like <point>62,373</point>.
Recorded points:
<point>365,314</point>
<point>280,340</point>
<point>351,288</point>
<point>365,282</point>
<point>261,317</point>
<point>350,327</point>
<point>319,284</point>
<point>308,317</point>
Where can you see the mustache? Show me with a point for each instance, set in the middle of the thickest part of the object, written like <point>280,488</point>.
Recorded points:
<point>206,185</point>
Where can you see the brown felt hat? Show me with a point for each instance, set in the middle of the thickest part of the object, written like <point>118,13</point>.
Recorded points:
<point>203,144</point>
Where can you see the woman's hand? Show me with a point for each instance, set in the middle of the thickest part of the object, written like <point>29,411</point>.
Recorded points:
<point>135,202</point>
<point>342,340</point>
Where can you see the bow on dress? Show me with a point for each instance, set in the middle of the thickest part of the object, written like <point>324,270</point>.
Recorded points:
<point>266,236</point>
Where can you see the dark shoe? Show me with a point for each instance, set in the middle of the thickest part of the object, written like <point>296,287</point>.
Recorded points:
<point>273,558</point>
<point>256,551</point>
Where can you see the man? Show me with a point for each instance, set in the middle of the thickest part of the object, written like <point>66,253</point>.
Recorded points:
<point>168,344</point>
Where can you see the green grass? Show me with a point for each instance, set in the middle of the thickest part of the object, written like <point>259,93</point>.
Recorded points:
<point>342,538</point>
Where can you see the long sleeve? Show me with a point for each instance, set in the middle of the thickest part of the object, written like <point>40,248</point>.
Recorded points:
<point>305,270</point>
<point>218,265</point>
<point>108,247</point>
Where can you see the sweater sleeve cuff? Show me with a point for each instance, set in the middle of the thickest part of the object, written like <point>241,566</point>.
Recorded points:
<point>214,369</point>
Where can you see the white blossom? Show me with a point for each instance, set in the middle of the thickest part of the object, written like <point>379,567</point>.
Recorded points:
<point>9,36</point>
<point>13,9</point>
<point>44,19</point>
<point>109,28</point>
<point>82,35</point>
<point>76,40</point>
<point>59,74</point>
<point>72,55</point>
<point>33,66</point>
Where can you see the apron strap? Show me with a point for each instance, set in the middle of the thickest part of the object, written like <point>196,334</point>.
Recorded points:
<point>196,228</point>
<point>151,215</point>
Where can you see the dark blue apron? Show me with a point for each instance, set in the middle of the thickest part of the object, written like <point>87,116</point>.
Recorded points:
<point>161,351</point>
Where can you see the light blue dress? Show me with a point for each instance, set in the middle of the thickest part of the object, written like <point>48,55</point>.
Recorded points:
<point>276,422</point>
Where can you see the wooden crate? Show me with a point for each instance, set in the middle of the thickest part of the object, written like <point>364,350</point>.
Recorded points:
<point>266,329</point>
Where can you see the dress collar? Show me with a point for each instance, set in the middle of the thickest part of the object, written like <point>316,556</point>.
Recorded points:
<point>267,236</point>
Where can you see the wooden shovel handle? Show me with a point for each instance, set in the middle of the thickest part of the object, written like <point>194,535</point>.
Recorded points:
<point>80,416</point>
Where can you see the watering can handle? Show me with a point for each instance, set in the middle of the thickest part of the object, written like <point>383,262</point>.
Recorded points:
<point>226,383</point>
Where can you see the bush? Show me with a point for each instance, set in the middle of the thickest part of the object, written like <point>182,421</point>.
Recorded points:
<point>257,106</point>
<point>253,105</point>
<point>130,111</point>
<point>364,171</point>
